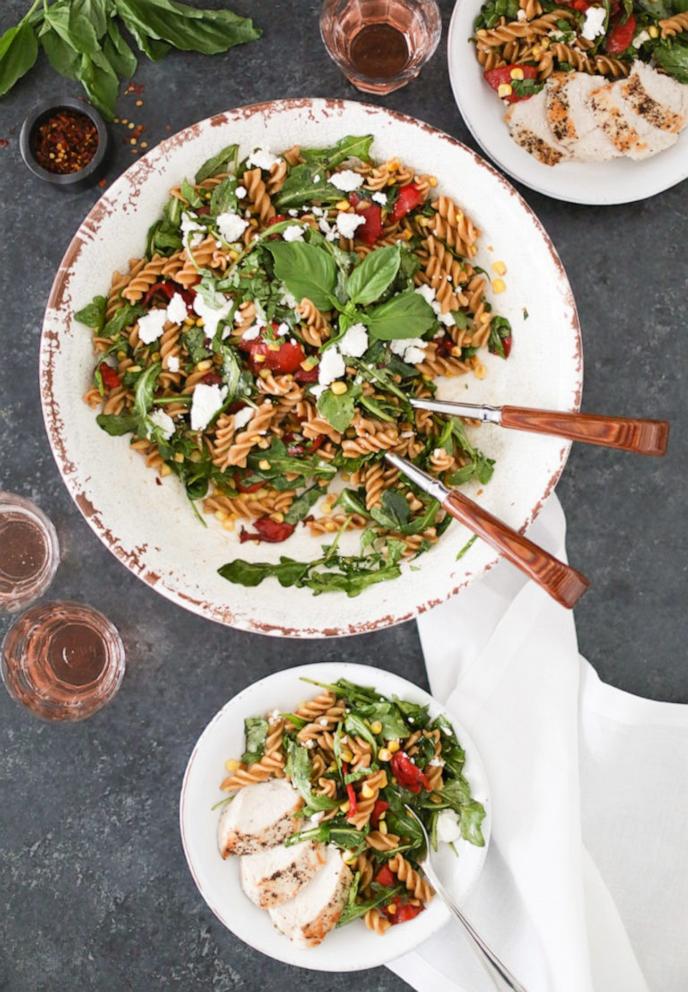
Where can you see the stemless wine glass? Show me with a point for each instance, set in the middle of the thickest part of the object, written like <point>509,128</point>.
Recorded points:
<point>380,45</point>
<point>29,552</point>
<point>63,661</point>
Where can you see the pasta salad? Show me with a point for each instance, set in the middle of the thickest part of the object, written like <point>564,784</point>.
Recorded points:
<point>265,348</point>
<point>355,759</point>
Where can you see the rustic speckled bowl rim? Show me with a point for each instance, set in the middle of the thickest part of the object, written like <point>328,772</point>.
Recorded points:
<point>136,176</point>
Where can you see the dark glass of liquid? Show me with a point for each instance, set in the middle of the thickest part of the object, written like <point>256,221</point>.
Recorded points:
<point>63,661</point>
<point>380,45</point>
<point>29,552</point>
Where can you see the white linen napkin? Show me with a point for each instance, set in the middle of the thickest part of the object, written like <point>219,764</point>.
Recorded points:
<point>585,886</point>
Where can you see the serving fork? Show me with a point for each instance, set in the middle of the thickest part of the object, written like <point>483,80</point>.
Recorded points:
<point>496,968</point>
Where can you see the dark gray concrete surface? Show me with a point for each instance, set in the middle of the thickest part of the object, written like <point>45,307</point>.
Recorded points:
<point>94,889</point>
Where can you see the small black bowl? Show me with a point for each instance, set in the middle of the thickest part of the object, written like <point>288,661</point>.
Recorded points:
<point>72,180</point>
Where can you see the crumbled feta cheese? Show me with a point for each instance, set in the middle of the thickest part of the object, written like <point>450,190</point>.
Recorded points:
<point>316,818</point>
<point>411,350</point>
<point>176,309</point>
<point>231,226</point>
<point>164,422</point>
<point>318,211</point>
<point>641,38</point>
<point>192,231</point>
<point>347,180</point>
<point>241,418</point>
<point>273,715</point>
<point>323,721</point>
<point>282,329</point>
<point>380,198</point>
<point>521,16</point>
<point>331,366</point>
<point>348,222</point>
<point>240,192</point>
<point>293,233</point>
<point>263,159</point>
<point>448,829</point>
<point>210,316</point>
<point>428,294</point>
<point>593,25</point>
<point>288,300</point>
<point>309,743</point>
<point>251,333</point>
<point>437,762</point>
<point>316,179</point>
<point>207,400</point>
<point>173,364</point>
<point>355,341</point>
<point>151,326</point>
<point>327,229</point>
<point>447,319</point>
<point>317,391</point>
<point>293,212</point>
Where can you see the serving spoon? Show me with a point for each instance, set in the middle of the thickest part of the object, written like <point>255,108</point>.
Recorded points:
<point>497,970</point>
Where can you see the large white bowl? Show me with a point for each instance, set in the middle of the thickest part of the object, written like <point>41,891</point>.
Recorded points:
<point>152,529</point>
<point>596,183</point>
<point>353,947</point>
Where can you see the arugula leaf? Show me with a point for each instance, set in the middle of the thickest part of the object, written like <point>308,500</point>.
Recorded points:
<point>453,754</point>
<point>18,52</point>
<point>299,771</point>
<point>672,56</point>
<point>456,793</point>
<point>300,507</point>
<point>217,163</point>
<point>190,195</point>
<point>407,315</point>
<point>305,270</point>
<point>337,410</point>
<point>281,462</point>
<point>351,146</point>
<point>123,318</point>
<point>117,424</point>
<point>373,276</point>
<point>356,725</point>
<point>251,573</point>
<point>466,548</point>
<point>415,713</point>
<point>500,331</point>
<point>223,197</point>
<point>144,390</point>
<point>349,501</point>
<point>188,28</point>
<point>93,315</point>
<point>394,512</point>
<point>255,733</point>
<point>306,184</point>
<point>195,339</point>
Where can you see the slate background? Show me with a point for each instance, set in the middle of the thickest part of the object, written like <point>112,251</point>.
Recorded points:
<point>95,892</point>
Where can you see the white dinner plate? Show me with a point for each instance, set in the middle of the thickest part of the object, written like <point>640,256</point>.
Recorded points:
<point>152,529</point>
<point>353,947</point>
<point>594,183</point>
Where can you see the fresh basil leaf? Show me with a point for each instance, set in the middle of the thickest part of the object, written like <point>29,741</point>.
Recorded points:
<point>220,162</point>
<point>151,46</point>
<point>351,146</point>
<point>300,507</point>
<point>672,57</point>
<point>255,735</point>
<point>190,29</point>
<point>144,390</point>
<point>61,56</point>
<point>78,34</point>
<point>337,410</point>
<point>405,316</point>
<point>117,424</point>
<point>118,52</point>
<point>373,276</point>
<point>93,315</point>
<point>91,12</point>
<point>305,270</point>
<point>100,82</point>
<point>18,52</point>
<point>305,184</point>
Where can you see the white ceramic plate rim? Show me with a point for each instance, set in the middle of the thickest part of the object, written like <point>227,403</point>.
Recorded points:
<point>652,176</point>
<point>395,942</point>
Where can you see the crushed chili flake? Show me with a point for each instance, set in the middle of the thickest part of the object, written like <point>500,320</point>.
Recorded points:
<point>4,142</point>
<point>136,88</point>
<point>66,142</point>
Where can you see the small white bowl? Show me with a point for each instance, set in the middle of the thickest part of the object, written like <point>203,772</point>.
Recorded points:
<point>353,947</point>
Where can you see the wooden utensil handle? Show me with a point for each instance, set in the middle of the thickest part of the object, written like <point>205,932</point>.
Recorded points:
<point>563,583</point>
<point>645,437</point>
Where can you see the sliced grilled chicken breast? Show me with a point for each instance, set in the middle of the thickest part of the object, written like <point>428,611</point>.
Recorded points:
<point>630,132</point>
<point>275,876</point>
<point>527,123</point>
<point>259,817</point>
<point>308,918</point>
<point>572,120</point>
<point>659,99</point>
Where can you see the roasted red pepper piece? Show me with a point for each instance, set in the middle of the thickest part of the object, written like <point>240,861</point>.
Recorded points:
<point>111,379</point>
<point>495,78</point>
<point>307,375</point>
<point>378,809</point>
<point>267,530</point>
<point>506,345</point>
<point>168,289</point>
<point>407,773</point>
<point>212,379</point>
<point>371,230</point>
<point>385,877</point>
<point>620,35</point>
<point>277,219</point>
<point>253,488</point>
<point>408,199</point>
<point>404,912</point>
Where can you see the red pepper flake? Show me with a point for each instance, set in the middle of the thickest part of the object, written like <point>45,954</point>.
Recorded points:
<point>66,142</point>
<point>136,88</point>
<point>102,183</point>
<point>4,142</point>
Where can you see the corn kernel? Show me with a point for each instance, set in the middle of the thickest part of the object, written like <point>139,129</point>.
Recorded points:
<point>264,464</point>
<point>338,388</point>
<point>204,365</point>
<point>221,515</point>
<point>376,727</point>
<point>367,792</point>
<point>382,827</point>
<point>344,806</point>
<point>499,268</point>
<point>189,322</point>
<point>384,782</point>
<point>346,754</point>
<point>277,517</point>
<point>435,798</point>
<point>498,285</point>
<point>391,908</point>
<point>394,746</point>
<point>229,524</point>
<point>195,456</point>
<point>121,354</point>
<point>504,89</point>
<point>456,350</point>
<point>516,73</point>
<point>274,346</point>
<point>264,443</point>
<point>179,457</point>
<point>200,322</point>
<point>330,526</point>
<point>343,205</point>
<point>232,765</point>
<point>258,359</point>
<point>433,181</point>
<point>536,52</point>
<point>309,363</point>
<point>653,31</point>
<point>544,42</point>
<point>165,470</point>
<point>384,754</point>
<point>349,857</point>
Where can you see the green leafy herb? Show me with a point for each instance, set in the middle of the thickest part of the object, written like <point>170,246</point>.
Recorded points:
<point>351,146</point>
<point>93,315</point>
<point>500,332</point>
<point>393,513</point>
<point>405,316</point>
<point>337,410</point>
<point>306,184</point>
<point>299,770</point>
<point>18,52</point>
<point>223,197</point>
<point>255,734</point>
<point>117,424</point>
<point>527,87</point>
<point>302,504</point>
<point>373,276</point>
<point>467,547</point>
<point>222,161</point>
<point>305,270</point>
<point>672,56</point>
